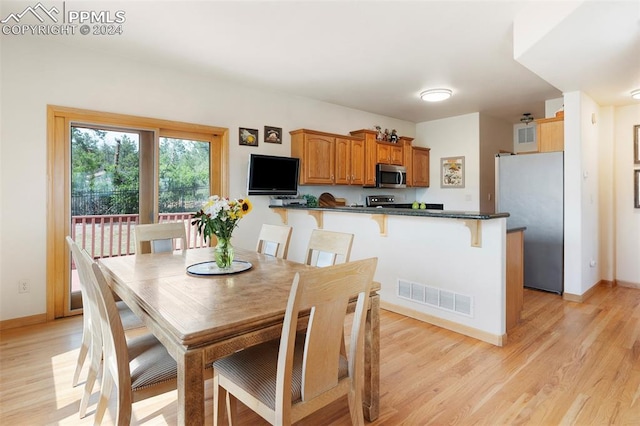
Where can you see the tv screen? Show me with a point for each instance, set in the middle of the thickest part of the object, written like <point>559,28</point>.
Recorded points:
<point>271,175</point>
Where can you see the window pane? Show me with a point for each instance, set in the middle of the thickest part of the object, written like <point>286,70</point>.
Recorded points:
<point>184,175</point>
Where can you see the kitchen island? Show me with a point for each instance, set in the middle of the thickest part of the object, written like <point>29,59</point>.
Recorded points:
<point>447,268</point>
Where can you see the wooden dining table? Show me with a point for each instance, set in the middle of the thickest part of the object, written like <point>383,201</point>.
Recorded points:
<point>200,319</point>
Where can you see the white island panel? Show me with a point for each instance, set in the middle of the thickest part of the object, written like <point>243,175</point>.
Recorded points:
<point>433,251</point>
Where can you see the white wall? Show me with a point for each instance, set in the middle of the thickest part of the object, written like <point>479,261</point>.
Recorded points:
<point>40,72</point>
<point>452,137</point>
<point>627,218</point>
<point>606,166</point>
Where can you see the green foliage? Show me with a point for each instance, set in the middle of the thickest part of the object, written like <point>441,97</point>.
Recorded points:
<point>106,169</point>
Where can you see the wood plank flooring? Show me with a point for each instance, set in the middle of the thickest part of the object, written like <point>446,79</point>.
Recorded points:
<point>565,363</point>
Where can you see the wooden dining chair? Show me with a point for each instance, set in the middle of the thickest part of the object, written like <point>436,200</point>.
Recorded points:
<point>160,236</point>
<point>90,345</point>
<point>285,380</point>
<point>139,367</point>
<point>325,247</point>
<point>274,240</point>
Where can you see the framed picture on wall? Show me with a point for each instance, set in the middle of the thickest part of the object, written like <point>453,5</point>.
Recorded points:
<point>636,188</point>
<point>452,172</point>
<point>248,136</point>
<point>636,144</point>
<point>273,134</point>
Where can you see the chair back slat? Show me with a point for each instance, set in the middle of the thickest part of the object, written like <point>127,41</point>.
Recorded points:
<point>274,240</point>
<point>326,246</point>
<point>160,237</point>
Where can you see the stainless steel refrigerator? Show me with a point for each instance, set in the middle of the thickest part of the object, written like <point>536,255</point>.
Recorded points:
<point>530,187</point>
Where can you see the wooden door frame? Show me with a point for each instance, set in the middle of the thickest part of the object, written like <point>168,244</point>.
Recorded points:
<point>59,122</point>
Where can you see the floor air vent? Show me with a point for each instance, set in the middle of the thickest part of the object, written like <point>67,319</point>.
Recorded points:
<point>436,297</point>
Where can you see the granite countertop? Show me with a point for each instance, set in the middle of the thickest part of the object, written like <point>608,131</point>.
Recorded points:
<point>449,214</point>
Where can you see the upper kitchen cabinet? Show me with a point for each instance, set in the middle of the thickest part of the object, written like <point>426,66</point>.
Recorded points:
<point>370,154</point>
<point>389,153</point>
<point>328,159</point>
<point>416,161</point>
<point>316,152</point>
<point>420,167</point>
<point>550,134</point>
<point>349,162</point>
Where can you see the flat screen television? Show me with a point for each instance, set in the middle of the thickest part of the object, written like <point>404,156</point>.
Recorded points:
<point>272,175</point>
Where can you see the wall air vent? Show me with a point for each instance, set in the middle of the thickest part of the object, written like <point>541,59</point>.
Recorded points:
<point>436,297</point>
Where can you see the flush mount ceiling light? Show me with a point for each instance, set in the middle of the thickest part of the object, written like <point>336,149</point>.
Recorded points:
<point>435,95</point>
<point>635,94</point>
<point>526,118</point>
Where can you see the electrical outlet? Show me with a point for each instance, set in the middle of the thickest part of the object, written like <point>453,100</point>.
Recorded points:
<point>23,286</point>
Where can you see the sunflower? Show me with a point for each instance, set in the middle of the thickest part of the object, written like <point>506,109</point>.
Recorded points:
<point>246,206</point>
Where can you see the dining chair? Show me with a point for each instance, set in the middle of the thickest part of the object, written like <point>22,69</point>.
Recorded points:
<point>139,367</point>
<point>160,236</point>
<point>129,320</point>
<point>274,240</point>
<point>325,247</point>
<point>286,379</point>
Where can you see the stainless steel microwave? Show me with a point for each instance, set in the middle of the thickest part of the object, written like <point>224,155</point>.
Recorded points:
<point>390,176</point>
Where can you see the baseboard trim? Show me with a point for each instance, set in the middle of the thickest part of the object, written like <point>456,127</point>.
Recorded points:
<point>581,298</point>
<point>494,339</point>
<point>23,321</point>
<point>628,284</point>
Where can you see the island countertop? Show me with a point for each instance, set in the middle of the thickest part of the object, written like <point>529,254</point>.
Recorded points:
<point>449,214</point>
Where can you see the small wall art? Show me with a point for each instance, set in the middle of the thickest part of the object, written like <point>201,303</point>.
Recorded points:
<point>248,136</point>
<point>452,172</point>
<point>273,134</point>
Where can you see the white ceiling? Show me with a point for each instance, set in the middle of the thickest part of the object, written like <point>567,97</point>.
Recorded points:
<point>377,56</point>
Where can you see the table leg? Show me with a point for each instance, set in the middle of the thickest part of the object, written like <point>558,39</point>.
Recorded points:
<point>191,389</point>
<point>371,400</point>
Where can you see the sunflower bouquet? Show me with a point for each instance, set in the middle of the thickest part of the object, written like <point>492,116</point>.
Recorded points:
<point>219,216</point>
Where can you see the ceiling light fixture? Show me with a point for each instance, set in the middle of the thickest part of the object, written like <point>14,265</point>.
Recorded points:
<point>435,95</point>
<point>635,94</point>
<point>526,118</point>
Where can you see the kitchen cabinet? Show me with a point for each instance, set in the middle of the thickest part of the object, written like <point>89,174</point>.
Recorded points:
<point>370,154</point>
<point>514,277</point>
<point>419,167</point>
<point>349,161</point>
<point>550,134</point>
<point>328,159</point>
<point>389,153</point>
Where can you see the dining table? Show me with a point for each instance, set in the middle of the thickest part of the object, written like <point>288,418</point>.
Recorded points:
<point>201,317</point>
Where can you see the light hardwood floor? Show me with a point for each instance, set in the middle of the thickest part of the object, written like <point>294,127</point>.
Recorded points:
<point>566,363</point>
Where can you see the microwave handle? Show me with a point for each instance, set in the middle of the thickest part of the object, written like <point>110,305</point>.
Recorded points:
<point>399,178</point>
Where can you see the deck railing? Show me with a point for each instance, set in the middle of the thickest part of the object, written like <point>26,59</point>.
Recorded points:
<point>112,235</point>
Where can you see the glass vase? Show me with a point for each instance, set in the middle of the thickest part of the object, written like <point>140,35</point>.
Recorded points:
<point>223,253</point>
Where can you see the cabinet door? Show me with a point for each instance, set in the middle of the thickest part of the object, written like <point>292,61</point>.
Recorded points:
<point>383,153</point>
<point>396,156</point>
<point>370,160</point>
<point>357,162</point>
<point>343,162</point>
<point>551,136</point>
<point>319,157</point>
<point>420,167</point>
